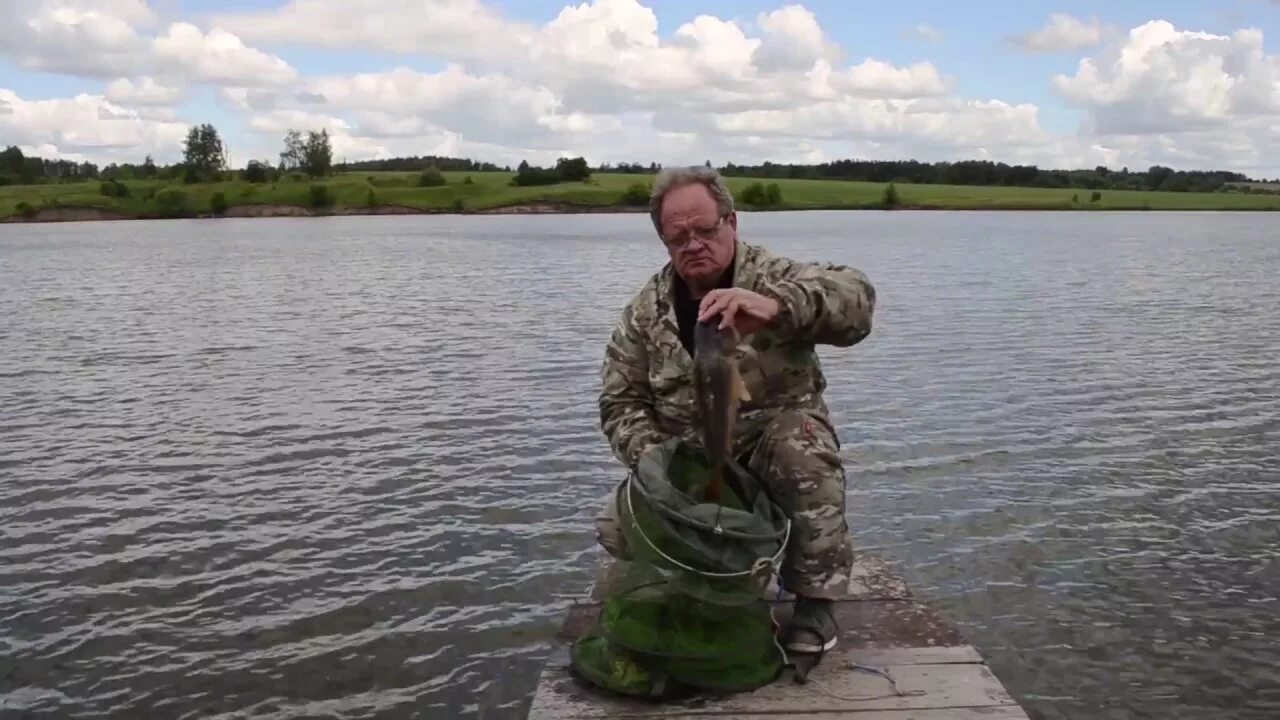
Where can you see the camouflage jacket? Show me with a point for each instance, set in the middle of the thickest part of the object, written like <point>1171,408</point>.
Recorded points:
<point>647,391</point>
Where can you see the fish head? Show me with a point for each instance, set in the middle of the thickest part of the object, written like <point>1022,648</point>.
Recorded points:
<point>710,340</point>
<point>717,355</point>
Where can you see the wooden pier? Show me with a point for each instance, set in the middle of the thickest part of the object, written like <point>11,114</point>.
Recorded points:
<point>939,676</point>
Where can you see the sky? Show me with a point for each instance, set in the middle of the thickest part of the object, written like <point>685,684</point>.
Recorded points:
<point>1191,85</point>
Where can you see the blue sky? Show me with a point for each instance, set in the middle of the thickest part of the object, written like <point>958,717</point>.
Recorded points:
<point>973,49</point>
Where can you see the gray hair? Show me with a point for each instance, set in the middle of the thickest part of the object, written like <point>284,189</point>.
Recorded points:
<point>670,179</point>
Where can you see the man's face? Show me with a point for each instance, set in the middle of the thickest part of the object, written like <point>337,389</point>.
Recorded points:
<point>700,249</point>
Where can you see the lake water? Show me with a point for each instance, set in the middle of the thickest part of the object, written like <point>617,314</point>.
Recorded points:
<point>347,467</point>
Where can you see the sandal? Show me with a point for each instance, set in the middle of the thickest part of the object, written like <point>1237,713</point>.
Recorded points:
<point>812,628</point>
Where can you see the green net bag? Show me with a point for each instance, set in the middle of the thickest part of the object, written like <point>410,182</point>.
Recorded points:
<point>687,612</point>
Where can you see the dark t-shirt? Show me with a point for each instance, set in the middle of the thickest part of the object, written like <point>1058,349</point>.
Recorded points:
<point>687,307</point>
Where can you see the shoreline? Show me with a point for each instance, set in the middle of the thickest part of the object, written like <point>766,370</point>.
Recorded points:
<point>87,213</point>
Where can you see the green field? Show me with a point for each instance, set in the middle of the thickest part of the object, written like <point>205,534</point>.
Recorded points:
<point>353,192</point>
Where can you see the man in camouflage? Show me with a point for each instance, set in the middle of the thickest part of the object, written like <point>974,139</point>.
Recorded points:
<point>782,309</point>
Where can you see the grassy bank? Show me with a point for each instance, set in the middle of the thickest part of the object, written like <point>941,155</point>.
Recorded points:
<point>491,191</point>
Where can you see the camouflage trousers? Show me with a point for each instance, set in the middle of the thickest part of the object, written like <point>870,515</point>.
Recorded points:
<point>797,456</point>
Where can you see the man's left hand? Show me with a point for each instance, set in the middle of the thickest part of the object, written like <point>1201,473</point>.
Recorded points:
<point>743,309</point>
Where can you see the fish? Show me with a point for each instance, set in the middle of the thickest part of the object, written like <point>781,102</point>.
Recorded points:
<point>719,391</point>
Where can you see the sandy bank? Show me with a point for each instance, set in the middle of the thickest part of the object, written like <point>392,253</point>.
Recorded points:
<point>70,214</point>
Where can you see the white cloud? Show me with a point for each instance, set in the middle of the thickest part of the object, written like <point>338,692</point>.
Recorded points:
<point>101,39</point>
<point>1161,79</point>
<point>1063,32</point>
<point>594,73</point>
<point>874,78</point>
<point>952,123</point>
<point>793,40</point>
<point>144,92</point>
<point>440,28</point>
<point>487,108</point>
<point>599,79</point>
<point>218,57</point>
<point>1181,98</point>
<point>87,126</point>
<point>94,39</point>
<point>598,56</point>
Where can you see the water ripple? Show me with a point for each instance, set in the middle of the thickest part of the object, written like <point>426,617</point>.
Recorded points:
<point>347,467</point>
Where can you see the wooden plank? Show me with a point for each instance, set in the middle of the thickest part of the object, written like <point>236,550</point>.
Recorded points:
<point>871,578</point>
<point>897,623</point>
<point>998,712</point>
<point>1004,712</point>
<point>943,655</point>
<point>834,687</point>
<point>882,626</point>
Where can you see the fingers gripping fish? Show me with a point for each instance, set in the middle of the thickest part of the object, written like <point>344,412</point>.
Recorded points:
<point>719,390</point>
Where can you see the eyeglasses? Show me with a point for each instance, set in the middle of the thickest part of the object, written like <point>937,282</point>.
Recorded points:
<point>678,240</point>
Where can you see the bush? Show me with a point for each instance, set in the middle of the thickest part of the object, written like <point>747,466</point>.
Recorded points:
<point>759,195</point>
<point>320,196</point>
<point>1075,197</point>
<point>218,203</point>
<point>25,209</point>
<point>114,188</point>
<point>370,199</point>
<point>467,180</point>
<point>172,201</point>
<point>636,194</point>
<point>528,176</point>
<point>1097,196</point>
<point>431,177</point>
<point>753,194</point>
<point>773,194</point>
<point>891,198</point>
<point>256,172</point>
<point>458,205</point>
<point>570,169</point>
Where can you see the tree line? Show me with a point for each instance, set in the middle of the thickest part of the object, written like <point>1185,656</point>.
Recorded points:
<point>17,168</point>
<point>205,159</point>
<point>987,173</point>
<point>415,163</point>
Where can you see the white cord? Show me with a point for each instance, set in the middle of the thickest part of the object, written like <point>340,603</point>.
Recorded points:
<point>754,569</point>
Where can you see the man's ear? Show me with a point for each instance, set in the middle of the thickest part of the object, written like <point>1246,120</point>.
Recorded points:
<point>733,219</point>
